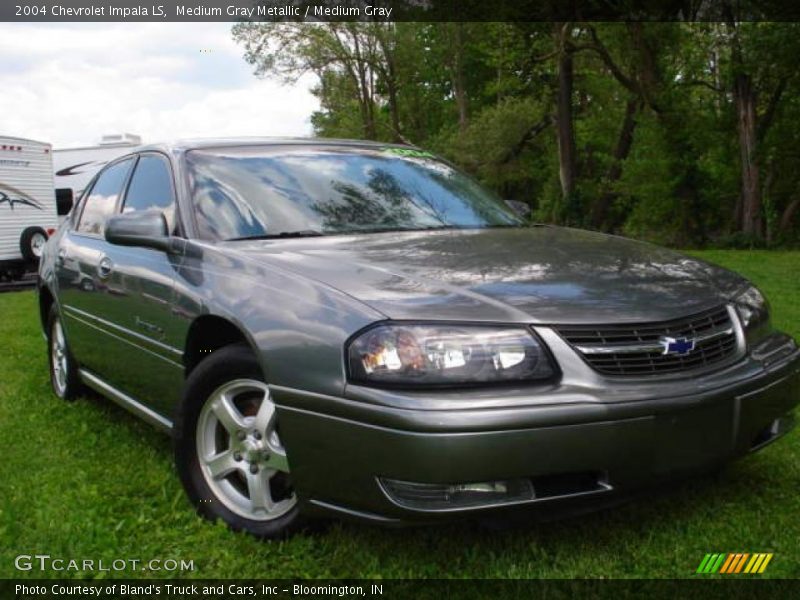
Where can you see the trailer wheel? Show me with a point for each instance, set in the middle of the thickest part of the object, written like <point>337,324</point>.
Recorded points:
<point>31,244</point>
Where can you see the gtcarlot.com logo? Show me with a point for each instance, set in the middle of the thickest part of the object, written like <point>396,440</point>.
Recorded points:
<point>46,562</point>
<point>733,563</point>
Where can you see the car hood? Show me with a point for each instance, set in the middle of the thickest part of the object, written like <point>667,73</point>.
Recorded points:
<point>533,275</point>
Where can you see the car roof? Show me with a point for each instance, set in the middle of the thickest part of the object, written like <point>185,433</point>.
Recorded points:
<point>180,146</point>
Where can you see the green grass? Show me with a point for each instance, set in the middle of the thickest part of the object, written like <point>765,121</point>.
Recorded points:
<point>87,480</point>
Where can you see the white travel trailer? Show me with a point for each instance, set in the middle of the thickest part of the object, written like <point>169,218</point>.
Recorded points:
<point>75,167</point>
<point>28,212</point>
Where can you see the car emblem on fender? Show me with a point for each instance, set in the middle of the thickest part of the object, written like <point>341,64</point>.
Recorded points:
<point>673,345</point>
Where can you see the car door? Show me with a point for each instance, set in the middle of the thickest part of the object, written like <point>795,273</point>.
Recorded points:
<point>83,293</point>
<point>131,298</point>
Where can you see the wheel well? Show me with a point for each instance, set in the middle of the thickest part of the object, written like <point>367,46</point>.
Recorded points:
<point>45,302</point>
<point>207,334</point>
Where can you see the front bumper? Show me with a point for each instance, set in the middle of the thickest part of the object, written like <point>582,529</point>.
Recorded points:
<point>595,446</point>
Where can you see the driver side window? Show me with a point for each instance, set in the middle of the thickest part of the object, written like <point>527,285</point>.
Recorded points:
<point>101,201</point>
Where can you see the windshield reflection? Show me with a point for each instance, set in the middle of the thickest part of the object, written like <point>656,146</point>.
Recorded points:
<point>268,192</point>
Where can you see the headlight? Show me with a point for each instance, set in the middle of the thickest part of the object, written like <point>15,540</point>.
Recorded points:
<point>431,355</point>
<point>753,310</point>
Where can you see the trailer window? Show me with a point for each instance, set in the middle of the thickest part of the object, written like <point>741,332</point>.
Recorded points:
<point>101,201</point>
<point>151,188</point>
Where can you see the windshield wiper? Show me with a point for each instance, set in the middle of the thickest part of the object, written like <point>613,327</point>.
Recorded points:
<point>397,229</point>
<point>515,225</point>
<point>274,236</point>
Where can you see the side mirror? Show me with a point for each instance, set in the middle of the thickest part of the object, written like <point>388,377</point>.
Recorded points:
<point>146,229</point>
<point>521,209</point>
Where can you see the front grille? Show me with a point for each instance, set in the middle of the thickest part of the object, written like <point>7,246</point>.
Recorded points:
<point>639,349</point>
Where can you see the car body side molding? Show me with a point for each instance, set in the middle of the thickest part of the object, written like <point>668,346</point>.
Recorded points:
<point>126,402</point>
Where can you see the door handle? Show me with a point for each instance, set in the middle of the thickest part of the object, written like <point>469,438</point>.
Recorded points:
<point>104,267</point>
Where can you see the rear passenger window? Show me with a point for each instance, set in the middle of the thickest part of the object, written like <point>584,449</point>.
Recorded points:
<point>101,201</point>
<point>151,188</point>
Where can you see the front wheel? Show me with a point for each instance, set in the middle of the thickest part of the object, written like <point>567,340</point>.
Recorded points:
<point>228,448</point>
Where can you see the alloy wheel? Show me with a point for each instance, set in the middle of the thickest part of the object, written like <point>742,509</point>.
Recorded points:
<point>58,357</point>
<point>240,452</point>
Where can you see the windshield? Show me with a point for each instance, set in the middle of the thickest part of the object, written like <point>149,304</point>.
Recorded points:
<point>249,192</point>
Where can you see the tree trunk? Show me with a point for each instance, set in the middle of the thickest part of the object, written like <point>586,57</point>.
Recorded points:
<point>361,73</point>
<point>788,215</point>
<point>565,133</point>
<point>621,152</point>
<point>394,110</point>
<point>386,68</point>
<point>745,102</point>
<point>457,75</point>
<point>367,116</point>
<point>368,113</point>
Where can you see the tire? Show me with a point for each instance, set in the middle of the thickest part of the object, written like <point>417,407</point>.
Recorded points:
<point>63,369</point>
<point>31,244</point>
<point>227,450</point>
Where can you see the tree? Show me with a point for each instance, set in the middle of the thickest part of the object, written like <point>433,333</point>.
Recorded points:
<point>567,153</point>
<point>750,79</point>
<point>677,132</point>
<point>290,50</point>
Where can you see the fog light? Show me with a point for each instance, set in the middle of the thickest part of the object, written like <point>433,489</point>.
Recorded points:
<point>439,496</point>
<point>778,428</point>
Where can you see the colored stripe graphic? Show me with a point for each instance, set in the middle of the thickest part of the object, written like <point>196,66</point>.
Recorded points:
<point>767,558</point>
<point>754,563</point>
<point>704,563</point>
<point>741,562</point>
<point>711,563</point>
<point>734,563</point>
<point>728,562</point>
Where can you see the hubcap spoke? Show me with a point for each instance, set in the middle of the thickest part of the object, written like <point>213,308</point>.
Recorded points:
<point>265,416</point>
<point>222,464</point>
<point>259,490</point>
<point>227,413</point>
<point>277,459</point>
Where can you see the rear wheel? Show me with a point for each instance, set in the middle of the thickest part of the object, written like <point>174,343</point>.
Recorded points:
<point>228,448</point>
<point>63,370</point>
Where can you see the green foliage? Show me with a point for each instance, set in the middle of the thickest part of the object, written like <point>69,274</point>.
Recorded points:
<point>339,114</point>
<point>647,187</point>
<point>493,147</point>
<point>653,113</point>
